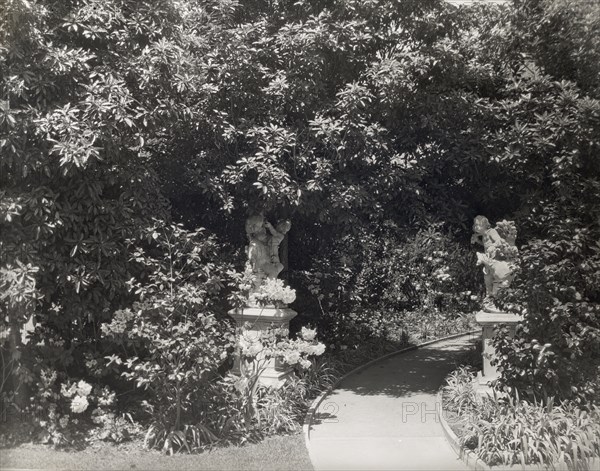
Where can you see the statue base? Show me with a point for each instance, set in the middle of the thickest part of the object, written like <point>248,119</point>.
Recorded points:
<point>488,321</point>
<point>252,321</point>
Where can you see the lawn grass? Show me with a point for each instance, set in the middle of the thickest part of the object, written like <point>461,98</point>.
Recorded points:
<point>274,453</point>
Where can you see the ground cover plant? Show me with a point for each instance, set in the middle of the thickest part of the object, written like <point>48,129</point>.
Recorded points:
<point>515,431</point>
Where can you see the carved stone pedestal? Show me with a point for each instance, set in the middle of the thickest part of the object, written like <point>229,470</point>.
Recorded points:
<point>251,321</point>
<point>488,321</point>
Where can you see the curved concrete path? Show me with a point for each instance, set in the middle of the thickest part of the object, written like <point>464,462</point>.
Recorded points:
<point>385,416</point>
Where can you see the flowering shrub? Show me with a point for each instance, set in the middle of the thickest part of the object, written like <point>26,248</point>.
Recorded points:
<point>258,349</point>
<point>62,410</point>
<point>173,339</point>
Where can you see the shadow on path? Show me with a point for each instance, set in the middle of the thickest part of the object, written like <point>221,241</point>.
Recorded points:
<point>418,372</point>
<point>385,416</point>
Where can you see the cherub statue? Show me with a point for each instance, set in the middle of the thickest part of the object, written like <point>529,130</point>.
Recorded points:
<point>263,247</point>
<point>257,249</point>
<point>273,269</point>
<point>499,253</point>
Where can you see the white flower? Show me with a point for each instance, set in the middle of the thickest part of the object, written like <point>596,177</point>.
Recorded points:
<point>64,421</point>
<point>304,363</point>
<point>106,398</point>
<point>318,349</point>
<point>244,344</point>
<point>273,290</point>
<point>68,392</point>
<point>241,384</point>
<point>303,346</point>
<point>83,388</point>
<point>253,350</point>
<point>79,404</point>
<point>291,358</point>
<point>308,334</point>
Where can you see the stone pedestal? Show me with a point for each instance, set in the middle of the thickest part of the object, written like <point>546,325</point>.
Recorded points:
<point>488,321</point>
<point>254,320</point>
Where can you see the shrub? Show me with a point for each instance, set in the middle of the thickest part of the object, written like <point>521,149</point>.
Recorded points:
<point>554,109</point>
<point>173,341</point>
<point>556,350</point>
<point>387,288</point>
<point>226,413</point>
<point>68,412</point>
<point>430,271</point>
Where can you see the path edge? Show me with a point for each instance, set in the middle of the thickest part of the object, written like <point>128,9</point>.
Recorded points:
<point>466,456</point>
<point>308,418</point>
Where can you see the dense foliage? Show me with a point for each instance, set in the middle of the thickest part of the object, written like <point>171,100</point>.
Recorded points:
<point>555,140</point>
<point>136,136</point>
<point>513,431</point>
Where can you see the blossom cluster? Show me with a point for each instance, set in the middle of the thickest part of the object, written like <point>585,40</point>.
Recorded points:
<point>298,351</point>
<point>118,325</point>
<point>272,291</point>
<point>308,334</point>
<point>250,345</point>
<point>106,397</point>
<point>79,392</point>
<point>274,343</point>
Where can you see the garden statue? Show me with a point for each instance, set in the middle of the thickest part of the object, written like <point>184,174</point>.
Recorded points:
<point>263,247</point>
<point>499,254</point>
<point>274,267</point>
<point>266,306</point>
<point>258,251</point>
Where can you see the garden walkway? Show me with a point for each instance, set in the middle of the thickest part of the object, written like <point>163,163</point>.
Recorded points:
<point>385,416</point>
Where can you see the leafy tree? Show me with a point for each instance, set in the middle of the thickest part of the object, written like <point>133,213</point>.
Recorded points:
<point>79,103</point>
